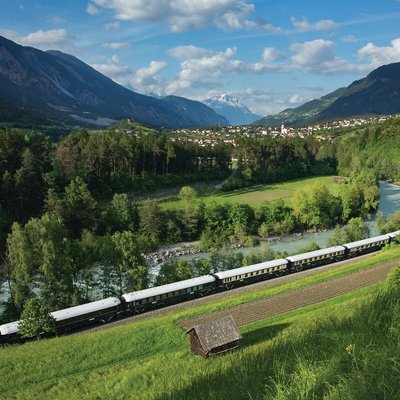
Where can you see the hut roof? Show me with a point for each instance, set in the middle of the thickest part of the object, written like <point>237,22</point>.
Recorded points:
<point>216,333</point>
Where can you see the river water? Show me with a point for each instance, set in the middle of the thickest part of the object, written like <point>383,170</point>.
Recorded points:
<point>389,203</point>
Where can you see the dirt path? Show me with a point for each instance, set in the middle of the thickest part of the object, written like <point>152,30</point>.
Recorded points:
<point>281,303</point>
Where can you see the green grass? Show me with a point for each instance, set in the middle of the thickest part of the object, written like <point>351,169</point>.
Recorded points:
<point>255,195</point>
<point>150,359</point>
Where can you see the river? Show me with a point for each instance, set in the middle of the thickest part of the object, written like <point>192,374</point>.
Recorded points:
<point>389,203</point>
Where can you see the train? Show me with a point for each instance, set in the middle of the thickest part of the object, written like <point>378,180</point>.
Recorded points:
<point>103,311</point>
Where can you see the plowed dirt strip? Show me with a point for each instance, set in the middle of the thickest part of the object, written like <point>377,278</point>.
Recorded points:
<point>272,306</point>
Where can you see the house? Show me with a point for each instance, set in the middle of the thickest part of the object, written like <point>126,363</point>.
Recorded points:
<point>214,337</point>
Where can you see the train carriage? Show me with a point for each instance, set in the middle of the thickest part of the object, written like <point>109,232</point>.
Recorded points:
<point>9,332</point>
<point>147,299</point>
<point>252,273</point>
<point>316,258</point>
<point>96,311</point>
<point>160,296</point>
<point>72,317</point>
<point>364,246</point>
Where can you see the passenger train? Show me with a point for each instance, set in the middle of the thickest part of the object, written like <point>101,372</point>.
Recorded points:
<point>148,299</point>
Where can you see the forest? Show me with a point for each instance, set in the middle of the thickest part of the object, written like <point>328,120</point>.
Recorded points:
<point>71,231</point>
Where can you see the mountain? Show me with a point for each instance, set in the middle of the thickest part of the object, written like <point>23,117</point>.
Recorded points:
<point>60,87</point>
<point>376,94</point>
<point>232,109</point>
<point>190,110</point>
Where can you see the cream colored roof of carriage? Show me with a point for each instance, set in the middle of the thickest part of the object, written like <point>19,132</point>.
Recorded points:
<point>84,309</point>
<point>9,329</point>
<point>316,253</point>
<point>364,242</point>
<point>250,268</point>
<point>170,287</point>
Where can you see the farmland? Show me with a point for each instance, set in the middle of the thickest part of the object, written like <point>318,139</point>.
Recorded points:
<point>255,195</point>
<point>288,356</point>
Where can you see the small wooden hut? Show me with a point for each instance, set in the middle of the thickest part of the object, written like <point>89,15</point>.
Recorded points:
<point>214,337</point>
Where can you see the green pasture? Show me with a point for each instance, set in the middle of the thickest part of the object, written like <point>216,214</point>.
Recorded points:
<point>255,195</point>
<point>298,355</point>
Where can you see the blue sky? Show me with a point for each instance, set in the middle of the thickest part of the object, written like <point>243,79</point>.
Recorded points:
<point>271,54</point>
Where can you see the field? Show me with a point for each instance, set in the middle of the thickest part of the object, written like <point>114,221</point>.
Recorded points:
<point>255,195</point>
<point>297,355</point>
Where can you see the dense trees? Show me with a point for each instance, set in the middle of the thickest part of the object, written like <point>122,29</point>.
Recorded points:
<point>25,161</point>
<point>41,259</point>
<point>267,159</point>
<point>389,224</point>
<point>315,207</point>
<point>373,148</point>
<point>355,229</point>
<point>114,161</point>
<point>74,234</point>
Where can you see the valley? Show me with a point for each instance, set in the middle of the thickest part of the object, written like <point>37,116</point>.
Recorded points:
<point>170,164</point>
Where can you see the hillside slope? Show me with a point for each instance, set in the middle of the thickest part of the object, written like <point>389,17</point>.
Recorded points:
<point>64,88</point>
<point>376,94</point>
<point>307,351</point>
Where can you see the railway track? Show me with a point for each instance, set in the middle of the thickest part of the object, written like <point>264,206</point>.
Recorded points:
<point>294,299</point>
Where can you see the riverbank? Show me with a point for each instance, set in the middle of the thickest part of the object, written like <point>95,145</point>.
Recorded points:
<point>389,203</point>
<point>177,250</point>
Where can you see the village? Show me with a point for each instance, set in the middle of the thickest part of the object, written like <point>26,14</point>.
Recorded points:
<point>212,136</point>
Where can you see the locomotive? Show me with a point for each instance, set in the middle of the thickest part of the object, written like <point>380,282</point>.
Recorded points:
<point>160,296</point>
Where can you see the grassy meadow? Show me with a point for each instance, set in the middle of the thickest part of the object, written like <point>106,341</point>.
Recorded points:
<point>255,195</point>
<point>344,348</point>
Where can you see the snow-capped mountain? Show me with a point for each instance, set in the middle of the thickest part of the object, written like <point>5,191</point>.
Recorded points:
<point>232,109</point>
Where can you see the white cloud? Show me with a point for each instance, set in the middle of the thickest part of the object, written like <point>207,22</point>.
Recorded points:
<point>381,55</point>
<point>202,70</point>
<point>112,26</point>
<point>184,15</point>
<point>41,39</point>
<point>148,79</point>
<point>297,99</point>
<point>305,26</point>
<point>92,9</point>
<point>144,80</point>
<point>186,52</point>
<point>114,69</point>
<point>116,45</point>
<point>270,54</point>
<point>349,39</point>
<point>318,57</point>
<point>205,68</point>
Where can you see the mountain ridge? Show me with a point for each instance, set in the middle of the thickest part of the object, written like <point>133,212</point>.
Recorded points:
<point>66,89</point>
<point>376,94</point>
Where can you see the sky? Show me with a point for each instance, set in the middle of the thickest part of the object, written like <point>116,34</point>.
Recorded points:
<point>271,54</point>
